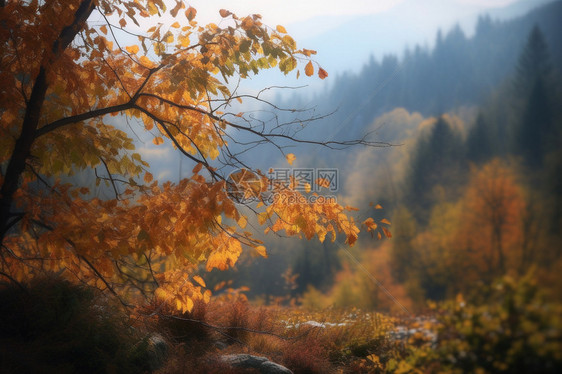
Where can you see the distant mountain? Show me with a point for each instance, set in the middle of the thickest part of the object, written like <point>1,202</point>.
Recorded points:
<point>345,43</point>
<point>457,71</point>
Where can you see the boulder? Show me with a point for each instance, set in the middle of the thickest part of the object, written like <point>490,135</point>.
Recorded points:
<point>247,361</point>
<point>157,351</point>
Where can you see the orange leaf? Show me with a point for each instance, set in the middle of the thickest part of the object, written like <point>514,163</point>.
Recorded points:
<point>224,13</point>
<point>309,69</point>
<point>158,140</point>
<point>199,280</point>
<point>147,177</point>
<point>384,220</point>
<point>281,29</point>
<point>103,29</point>
<point>190,13</point>
<point>308,52</point>
<point>323,74</point>
<point>386,232</point>
<point>290,158</point>
<point>197,168</point>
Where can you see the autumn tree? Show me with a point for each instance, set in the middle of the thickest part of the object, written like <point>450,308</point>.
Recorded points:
<point>66,68</point>
<point>492,223</point>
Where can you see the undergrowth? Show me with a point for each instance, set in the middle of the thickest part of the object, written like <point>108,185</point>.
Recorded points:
<point>53,326</point>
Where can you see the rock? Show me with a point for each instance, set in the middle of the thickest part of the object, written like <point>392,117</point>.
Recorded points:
<point>221,345</point>
<point>157,351</point>
<point>247,361</point>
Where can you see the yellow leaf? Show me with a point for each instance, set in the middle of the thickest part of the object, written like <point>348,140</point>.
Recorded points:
<point>261,250</point>
<point>158,140</point>
<point>242,222</point>
<point>168,37</point>
<point>309,69</point>
<point>290,158</point>
<point>290,42</point>
<point>145,61</point>
<point>175,25</point>
<point>199,280</point>
<point>188,305</point>
<point>133,49</point>
<point>281,29</point>
<point>207,296</point>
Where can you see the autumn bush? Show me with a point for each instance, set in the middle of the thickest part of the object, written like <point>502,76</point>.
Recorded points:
<point>52,326</point>
<point>187,328</point>
<point>304,341</point>
<point>509,327</point>
<point>307,355</point>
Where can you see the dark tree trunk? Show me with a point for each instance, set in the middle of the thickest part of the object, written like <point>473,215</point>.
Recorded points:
<point>22,147</point>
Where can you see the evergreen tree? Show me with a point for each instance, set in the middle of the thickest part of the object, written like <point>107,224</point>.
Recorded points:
<point>535,131</point>
<point>533,64</point>
<point>438,160</point>
<point>479,146</point>
<point>535,135</point>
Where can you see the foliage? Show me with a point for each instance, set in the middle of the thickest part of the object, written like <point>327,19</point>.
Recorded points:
<point>512,329</point>
<point>438,160</point>
<point>63,75</point>
<point>53,326</point>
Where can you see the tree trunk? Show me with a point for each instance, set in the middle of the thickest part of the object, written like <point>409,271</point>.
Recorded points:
<point>22,147</point>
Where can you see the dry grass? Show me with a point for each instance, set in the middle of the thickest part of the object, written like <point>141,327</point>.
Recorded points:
<point>343,344</point>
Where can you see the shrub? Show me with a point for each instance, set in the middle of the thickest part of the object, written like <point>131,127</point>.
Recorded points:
<point>53,326</point>
<point>516,331</point>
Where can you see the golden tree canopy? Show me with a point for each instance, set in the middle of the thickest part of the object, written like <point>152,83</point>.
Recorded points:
<point>63,75</point>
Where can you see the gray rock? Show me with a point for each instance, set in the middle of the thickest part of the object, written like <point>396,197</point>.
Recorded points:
<point>157,351</point>
<point>247,361</point>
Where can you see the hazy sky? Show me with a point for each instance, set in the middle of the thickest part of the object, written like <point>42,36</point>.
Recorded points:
<point>286,12</point>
